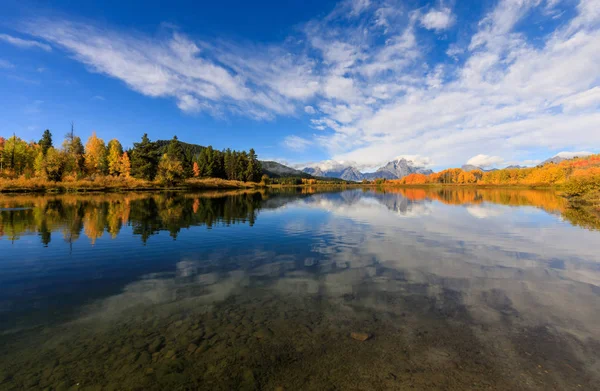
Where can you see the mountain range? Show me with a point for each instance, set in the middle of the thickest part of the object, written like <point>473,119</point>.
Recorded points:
<point>395,169</point>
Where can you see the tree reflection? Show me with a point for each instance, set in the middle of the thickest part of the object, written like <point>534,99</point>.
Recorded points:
<point>147,215</point>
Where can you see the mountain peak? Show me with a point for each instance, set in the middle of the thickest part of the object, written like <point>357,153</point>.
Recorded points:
<point>395,169</point>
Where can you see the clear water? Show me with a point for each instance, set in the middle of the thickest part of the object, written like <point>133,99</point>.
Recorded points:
<point>452,290</point>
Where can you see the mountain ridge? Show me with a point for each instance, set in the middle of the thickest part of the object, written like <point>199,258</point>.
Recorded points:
<point>395,169</point>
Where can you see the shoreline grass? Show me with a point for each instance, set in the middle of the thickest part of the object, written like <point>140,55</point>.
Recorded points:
<point>115,184</point>
<point>588,199</point>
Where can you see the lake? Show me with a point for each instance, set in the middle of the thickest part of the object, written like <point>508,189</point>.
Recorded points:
<point>301,289</point>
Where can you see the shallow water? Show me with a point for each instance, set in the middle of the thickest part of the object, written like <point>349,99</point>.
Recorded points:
<point>453,289</point>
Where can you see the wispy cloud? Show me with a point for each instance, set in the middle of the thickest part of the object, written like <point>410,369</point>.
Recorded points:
<point>485,161</point>
<point>570,155</point>
<point>366,79</point>
<point>309,110</point>
<point>296,143</point>
<point>4,64</point>
<point>24,43</point>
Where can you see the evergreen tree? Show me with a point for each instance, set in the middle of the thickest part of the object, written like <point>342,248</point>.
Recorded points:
<point>144,159</point>
<point>175,150</point>
<point>75,152</point>
<point>241,166</point>
<point>46,141</point>
<point>229,164</point>
<point>253,169</point>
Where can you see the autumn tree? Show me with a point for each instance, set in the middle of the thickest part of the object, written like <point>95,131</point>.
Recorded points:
<point>55,164</point>
<point>95,155</point>
<point>265,180</point>
<point>18,156</point>
<point>39,165</point>
<point>115,152</point>
<point>125,165</point>
<point>170,170</point>
<point>196,170</point>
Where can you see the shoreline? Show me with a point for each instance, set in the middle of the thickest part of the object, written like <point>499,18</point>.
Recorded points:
<point>119,185</point>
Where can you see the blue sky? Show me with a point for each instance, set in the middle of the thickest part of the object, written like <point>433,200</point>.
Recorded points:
<point>361,81</point>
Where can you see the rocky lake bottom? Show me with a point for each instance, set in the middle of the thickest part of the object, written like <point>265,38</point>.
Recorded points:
<point>325,291</point>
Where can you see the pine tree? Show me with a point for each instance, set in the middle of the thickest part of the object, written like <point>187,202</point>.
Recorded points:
<point>254,169</point>
<point>73,147</point>
<point>175,149</point>
<point>144,159</point>
<point>46,141</point>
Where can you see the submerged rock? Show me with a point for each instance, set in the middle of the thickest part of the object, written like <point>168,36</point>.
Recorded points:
<point>192,347</point>
<point>263,333</point>
<point>360,336</point>
<point>156,345</point>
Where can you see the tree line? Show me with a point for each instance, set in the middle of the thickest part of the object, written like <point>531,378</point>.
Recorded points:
<point>576,176</point>
<point>166,161</point>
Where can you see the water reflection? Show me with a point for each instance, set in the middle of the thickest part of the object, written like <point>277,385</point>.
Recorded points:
<point>97,214</point>
<point>455,289</point>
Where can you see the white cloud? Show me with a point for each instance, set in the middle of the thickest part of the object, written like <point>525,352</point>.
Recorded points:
<point>329,165</point>
<point>296,143</point>
<point>571,155</point>
<point>485,161</point>
<point>374,89</point>
<point>5,64</point>
<point>309,110</point>
<point>417,160</point>
<point>484,212</point>
<point>183,69</point>
<point>189,104</point>
<point>438,20</point>
<point>24,43</point>
<point>341,88</point>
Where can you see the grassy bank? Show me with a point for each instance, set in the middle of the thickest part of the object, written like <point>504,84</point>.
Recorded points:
<point>111,184</point>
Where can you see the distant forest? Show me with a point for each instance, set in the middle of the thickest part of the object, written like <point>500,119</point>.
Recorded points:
<point>168,161</point>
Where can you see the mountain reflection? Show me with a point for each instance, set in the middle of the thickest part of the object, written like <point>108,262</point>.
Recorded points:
<point>148,214</point>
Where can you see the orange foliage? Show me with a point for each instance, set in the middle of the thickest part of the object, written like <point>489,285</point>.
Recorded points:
<point>415,179</point>
<point>578,175</point>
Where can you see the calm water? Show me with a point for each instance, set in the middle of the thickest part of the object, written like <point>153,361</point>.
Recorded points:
<point>454,290</point>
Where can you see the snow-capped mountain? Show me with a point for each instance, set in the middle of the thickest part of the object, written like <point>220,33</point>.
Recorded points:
<point>395,169</point>
<point>333,169</point>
